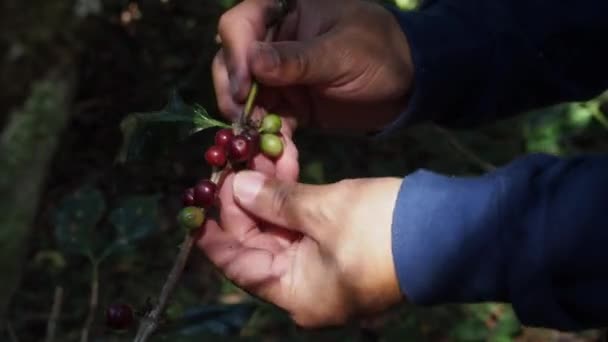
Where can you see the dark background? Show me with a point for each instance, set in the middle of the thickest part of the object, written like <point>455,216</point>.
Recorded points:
<point>70,71</point>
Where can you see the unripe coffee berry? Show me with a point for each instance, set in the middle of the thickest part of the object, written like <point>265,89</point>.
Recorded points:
<point>191,218</point>
<point>204,193</point>
<point>271,124</point>
<point>119,316</point>
<point>216,156</point>
<point>271,145</point>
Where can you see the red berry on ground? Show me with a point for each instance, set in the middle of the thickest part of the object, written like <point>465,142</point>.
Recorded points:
<point>239,149</point>
<point>223,137</point>
<point>204,193</point>
<point>216,156</point>
<point>188,197</point>
<point>119,316</point>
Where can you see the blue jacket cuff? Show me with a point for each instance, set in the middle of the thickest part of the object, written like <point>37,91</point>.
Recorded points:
<point>441,231</point>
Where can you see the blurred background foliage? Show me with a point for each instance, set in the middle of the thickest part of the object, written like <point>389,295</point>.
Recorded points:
<point>92,62</point>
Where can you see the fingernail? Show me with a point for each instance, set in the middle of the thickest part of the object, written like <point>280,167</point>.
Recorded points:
<point>247,185</point>
<point>266,57</point>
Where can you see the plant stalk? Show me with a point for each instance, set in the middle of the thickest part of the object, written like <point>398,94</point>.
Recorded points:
<point>93,301</point>
<point>253,93</point>
<point>51,326</point>
<point>150,322</point>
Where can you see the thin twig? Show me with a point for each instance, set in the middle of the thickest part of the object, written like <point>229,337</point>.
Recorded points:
<point>11,332</point>
<point>150,322</point>
<point>93,301</point>
<point>253,92</point>
<point>452,140</point>
<point>51,326</point>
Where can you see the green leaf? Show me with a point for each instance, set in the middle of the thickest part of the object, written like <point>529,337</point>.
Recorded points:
<point>133,220</point>
<point>152,135</point>
<point>75,220</point>
<point>203,121</point>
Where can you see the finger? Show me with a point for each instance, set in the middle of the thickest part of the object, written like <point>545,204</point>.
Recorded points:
<point>221,83</point>
<point>219,246</point>
<point>246,266</point>
<point>290,205</point>
<point>295,62</point>
<point>238,29</point>
<point>287,166</point>
<point>232,217</point>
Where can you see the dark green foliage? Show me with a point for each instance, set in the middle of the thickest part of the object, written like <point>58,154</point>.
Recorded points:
<point>76,220</point>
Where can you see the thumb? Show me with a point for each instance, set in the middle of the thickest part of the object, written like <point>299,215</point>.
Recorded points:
<point>289,205</point>
<point>293,63</point>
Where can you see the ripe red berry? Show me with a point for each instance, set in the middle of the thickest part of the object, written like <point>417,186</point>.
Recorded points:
<point>204,193</point>
<point>188,197</point>
<point>254,139</point>
<point>216,156</point>
<point>239,149</point>
<point>223,137</point>
<point>119,316</point>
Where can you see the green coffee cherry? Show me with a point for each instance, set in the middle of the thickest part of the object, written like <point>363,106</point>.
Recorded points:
<point>271,145</point>
<point>191,218</point>
<point>271,124</point>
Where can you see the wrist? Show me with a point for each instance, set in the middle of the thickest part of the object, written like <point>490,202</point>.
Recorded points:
<point>367,248</point>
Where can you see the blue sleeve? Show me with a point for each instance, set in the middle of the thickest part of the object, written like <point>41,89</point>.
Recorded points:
<point>480,60</point>
<point>534,234</point>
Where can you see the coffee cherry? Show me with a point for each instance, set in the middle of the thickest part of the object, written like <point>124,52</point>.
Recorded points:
<point>216,156</point>
<point>191,218</point>
<point>119,316</point>
<point>223,137</point>
<point>271,145</point>
<point>271,124</point>
<point>204,193</point>
<point>188,197</point>
<point>240,149</point>
<point>254,140</point>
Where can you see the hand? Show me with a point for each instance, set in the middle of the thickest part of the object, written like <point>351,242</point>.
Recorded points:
<point>322,253</point>
<point>336,64</point>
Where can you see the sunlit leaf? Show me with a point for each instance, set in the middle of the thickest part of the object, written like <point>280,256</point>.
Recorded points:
<point>75,220</point>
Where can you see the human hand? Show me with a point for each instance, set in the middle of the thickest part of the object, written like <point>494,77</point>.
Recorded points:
<point>322,253</point>
<point>335,64</point>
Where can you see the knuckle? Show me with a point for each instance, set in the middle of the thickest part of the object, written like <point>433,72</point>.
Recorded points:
<point>225,22</point>
<point>281,197</point>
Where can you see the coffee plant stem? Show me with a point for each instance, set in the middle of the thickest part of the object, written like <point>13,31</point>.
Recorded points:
<point>253,92</point>
<point>54,316</point>
<point>11,332</point>
<point>150,322</point>
<point>93,301</point>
